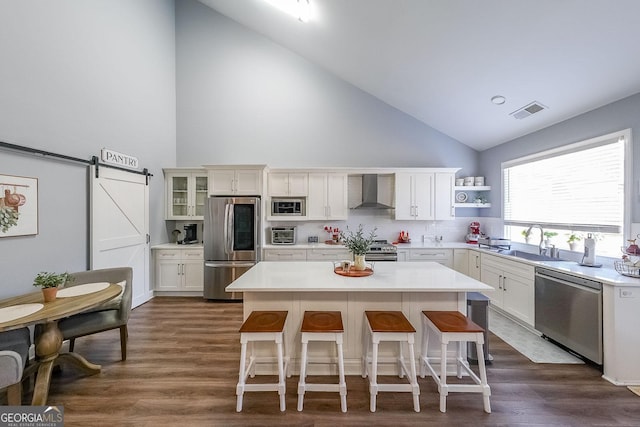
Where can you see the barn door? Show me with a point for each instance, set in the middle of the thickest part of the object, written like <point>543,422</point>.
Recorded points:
<point>120,226</point>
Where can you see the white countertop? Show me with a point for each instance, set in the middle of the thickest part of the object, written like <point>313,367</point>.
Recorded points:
<point>310,276</point>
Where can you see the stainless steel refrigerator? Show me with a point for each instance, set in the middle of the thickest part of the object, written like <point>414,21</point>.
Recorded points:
<point>231,242</point>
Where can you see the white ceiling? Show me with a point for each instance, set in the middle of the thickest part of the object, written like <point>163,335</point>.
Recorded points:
<point>441,61</point>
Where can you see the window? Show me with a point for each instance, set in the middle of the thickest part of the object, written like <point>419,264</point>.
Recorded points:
<point>578,189</point>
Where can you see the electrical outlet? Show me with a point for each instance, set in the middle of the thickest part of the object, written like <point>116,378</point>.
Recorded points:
<point>312,239</point>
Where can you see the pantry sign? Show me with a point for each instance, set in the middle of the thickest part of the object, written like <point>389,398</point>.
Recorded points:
<point>115,158</point>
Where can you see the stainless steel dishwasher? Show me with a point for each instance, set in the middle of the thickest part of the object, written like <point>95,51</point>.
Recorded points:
<point>568,310</point>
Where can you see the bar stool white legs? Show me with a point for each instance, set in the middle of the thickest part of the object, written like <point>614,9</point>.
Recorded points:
<point>452,326</point>
<point>389,326</point>
<point>262,326</point>
<point>322,326</point>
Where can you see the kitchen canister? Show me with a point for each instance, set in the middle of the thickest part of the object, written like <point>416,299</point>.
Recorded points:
<point>469,180</point>
<point>478,180</point>
<point>459,181</point>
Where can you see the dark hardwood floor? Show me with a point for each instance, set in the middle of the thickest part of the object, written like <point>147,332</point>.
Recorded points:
<point>182,370</point>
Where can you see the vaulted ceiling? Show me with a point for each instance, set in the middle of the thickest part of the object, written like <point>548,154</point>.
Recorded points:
<point>441,61</point>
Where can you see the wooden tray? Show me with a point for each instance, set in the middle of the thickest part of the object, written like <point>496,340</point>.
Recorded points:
<point>353,273</point>
<point>331,242</point>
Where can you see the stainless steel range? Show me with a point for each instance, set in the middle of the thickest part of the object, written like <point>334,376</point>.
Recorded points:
<point>382,250</point>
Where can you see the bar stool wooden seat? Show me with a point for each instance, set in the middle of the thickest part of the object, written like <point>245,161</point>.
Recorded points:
<point>389,326</point>
<point>322,326</point>
<point>262,326</point>
<point>453,326</point>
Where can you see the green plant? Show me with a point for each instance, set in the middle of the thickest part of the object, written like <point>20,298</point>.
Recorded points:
<point>8,218</point>
<point>526,233</point>
<point>549,234</point>
<point>356,241</point>
<point>573,238</point>
<point>46,279</point>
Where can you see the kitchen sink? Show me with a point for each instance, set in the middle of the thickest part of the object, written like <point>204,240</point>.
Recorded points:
<point>528,255</point>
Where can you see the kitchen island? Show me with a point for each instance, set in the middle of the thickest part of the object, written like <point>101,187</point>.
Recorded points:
<point>299,286</point>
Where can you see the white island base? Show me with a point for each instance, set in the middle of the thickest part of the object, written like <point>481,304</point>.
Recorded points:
<point>300,286</point>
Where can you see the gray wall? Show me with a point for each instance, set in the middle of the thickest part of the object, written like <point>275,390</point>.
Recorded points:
<point>614,117</point>
<point>77,76</point>
<point>243,99</point>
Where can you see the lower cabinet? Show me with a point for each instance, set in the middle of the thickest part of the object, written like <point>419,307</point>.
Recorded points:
<point>473,267</point>
<point>514,286</point>
<point>328,254</point>
<point>179,269</point>
<point>307,254</point>
<point>285,255</point>
<point>461,261</point>
<point>442,256</point>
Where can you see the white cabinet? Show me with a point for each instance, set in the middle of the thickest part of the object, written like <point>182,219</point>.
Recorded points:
<point>465,196</point>
<point>473,269</point>
<point>321,254</point>
<point>185,194</point>
<point>514,286</point>
<point>425,196</point>
<point>245,181</point>
<point>461,261</point>
<point>403,255</point>
<point>442,256</point>
<point>179,269</point>
<point>414,193</point>
<point>327,196</point>
<point>285,254</point>
<point>287,184</point>
<point>443,197</point>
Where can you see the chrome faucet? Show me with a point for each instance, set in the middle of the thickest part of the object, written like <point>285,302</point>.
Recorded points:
<point>540,249</point>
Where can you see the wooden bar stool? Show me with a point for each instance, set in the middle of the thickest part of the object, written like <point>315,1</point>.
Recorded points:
<point>322,326</point>
<point>262,326</point>
<point>453,326</point>
<point>389,326</point>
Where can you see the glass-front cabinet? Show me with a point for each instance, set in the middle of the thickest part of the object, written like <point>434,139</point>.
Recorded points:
<point>186,193</point>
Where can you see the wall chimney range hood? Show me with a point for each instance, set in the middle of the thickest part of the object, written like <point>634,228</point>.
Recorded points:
<point>370,198</point>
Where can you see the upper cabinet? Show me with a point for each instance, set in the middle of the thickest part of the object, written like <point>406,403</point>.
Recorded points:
<point>414,194</point>
<point>185,193</point>
<point>443,200</point>
<point>226,181</point>
<point>424,195</point>
<point>327,197</point>
<point>287,184</point>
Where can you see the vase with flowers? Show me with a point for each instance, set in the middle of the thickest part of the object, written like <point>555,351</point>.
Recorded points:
<point>358,244</point>
<point>49,282</point>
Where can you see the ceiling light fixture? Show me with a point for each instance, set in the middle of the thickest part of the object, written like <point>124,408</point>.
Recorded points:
<point>299,9</point>
<point>498,99</point>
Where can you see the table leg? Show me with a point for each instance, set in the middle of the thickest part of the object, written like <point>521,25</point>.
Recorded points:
<point>48,346</point>
<point>47,349</point>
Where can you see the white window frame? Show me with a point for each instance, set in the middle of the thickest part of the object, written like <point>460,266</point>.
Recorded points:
<point>566,149</point>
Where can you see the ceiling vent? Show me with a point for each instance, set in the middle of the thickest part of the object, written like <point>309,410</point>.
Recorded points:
<point>527,110</point>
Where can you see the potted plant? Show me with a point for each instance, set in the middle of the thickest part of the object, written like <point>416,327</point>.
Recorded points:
<point>573,241</point>
<point>526,234</point>
<point>49,282</point>
<point>548,235</point>
<point>358,244</point>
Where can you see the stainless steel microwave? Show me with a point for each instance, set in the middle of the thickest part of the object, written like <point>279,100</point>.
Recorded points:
<point>287,207</point>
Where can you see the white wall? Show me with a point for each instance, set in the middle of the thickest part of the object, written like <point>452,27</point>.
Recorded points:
<point>77,76</point>
<point>243,99</point>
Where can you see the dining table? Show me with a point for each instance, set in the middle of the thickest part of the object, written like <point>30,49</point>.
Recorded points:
<point>31,309</point>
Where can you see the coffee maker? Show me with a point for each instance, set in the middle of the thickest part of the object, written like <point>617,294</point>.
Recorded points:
<point>190,234</point>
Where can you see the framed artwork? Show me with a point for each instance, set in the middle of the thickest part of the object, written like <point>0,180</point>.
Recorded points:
<point>18,206</point>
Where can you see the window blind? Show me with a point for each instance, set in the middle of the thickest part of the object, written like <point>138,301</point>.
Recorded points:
<point>580,190</point>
